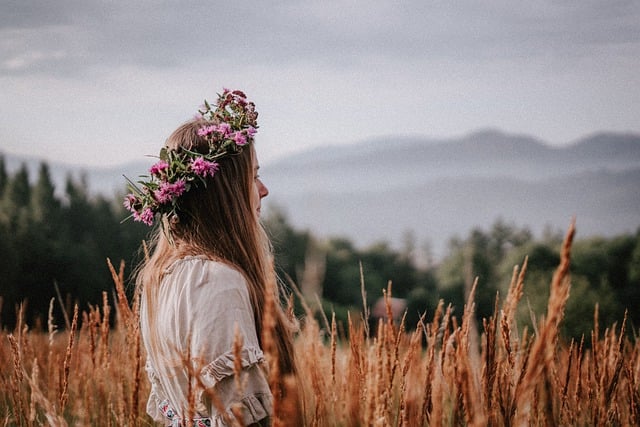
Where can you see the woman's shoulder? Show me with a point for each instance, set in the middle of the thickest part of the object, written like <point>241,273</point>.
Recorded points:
<point>200,270</point>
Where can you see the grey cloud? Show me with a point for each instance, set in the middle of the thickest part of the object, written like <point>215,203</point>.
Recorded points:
<point>30,14</point>
<point>69,36</point>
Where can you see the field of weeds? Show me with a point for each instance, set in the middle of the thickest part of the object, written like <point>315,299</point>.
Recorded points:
<point>443,373</point>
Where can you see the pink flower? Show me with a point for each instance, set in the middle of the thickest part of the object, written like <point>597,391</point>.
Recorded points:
<point>251,131</point>
<point>179,187</point>
<point>206,130</point>
<point>203,168</point>
<point>159,167</point>
<point>239,138</point>
<point>146,216</point>
<point>129,201</point>
<point>162,194</point>
<point>224,128</point>
<point>167,191</point>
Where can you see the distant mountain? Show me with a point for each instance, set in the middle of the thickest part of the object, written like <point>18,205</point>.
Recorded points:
<point>436,188</point>
<point>384,164</point>
<point>381,189</point>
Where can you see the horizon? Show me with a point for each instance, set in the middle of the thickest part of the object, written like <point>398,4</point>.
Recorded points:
<point>36,158</point>
<point>437,191</point>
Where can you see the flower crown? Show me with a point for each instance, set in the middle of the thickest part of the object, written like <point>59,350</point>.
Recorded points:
<point>228,126</point>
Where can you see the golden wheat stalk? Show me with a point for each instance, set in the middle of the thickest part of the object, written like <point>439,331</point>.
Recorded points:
<point>67,360</point>
<point>541,356</point>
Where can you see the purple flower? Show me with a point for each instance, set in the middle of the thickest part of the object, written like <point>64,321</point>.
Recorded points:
<point>239,138</point>
<point>146,216</point>
<point>203,168</point>
<point>251,131</point>
<point>167,191</point>
<point>159,167</point>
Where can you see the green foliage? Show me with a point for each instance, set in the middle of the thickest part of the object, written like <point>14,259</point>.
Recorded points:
<point>47,240</point>
<point>3,176</point>
<point>606,265</point>
<point>605,272</point>
<point>289,245</point>
<point>634,267</point>
<point>581,307</point>
<point>341,262</point>
<point>479,257</point>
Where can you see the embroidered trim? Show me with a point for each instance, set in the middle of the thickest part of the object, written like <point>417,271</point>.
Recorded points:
<point>175,421</point>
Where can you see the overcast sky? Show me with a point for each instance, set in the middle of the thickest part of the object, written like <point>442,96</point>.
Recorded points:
<point>105,82</point>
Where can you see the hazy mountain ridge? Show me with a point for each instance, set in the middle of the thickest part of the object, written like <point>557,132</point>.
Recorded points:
<point>482,154</point>
<point>477,146</point>
<point>437,188</point>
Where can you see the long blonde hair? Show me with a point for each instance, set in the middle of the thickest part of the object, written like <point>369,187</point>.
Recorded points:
<point>219,222</point>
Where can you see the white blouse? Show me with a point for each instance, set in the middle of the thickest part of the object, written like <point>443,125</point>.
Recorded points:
<point>200,304</point>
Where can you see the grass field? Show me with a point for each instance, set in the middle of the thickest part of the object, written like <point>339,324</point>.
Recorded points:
<point>441,373</point>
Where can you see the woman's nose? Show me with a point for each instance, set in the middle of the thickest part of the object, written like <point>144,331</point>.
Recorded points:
<point>262,189</point>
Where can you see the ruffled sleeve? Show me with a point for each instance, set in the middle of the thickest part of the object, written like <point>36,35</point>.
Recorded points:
<point>255,400</point>
<point>156,395</point>
<point>223,366</point>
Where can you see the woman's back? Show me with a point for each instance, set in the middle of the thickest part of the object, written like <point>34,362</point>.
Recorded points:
<point>203,309</point>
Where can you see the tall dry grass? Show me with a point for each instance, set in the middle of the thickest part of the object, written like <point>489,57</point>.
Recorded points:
<point>81,376</point>
<point>438,374</point>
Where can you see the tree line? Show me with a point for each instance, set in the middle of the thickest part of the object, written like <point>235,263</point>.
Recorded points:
<point>604,272</point>
<point>54,244</point>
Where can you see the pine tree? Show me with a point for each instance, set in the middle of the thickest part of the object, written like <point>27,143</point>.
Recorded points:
<point>15,201</point>
<point>3,176</point>
<point>18,191</point>
<point>45,206</point>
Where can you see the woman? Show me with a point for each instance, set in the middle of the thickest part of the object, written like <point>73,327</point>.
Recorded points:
<point>204,286</point>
